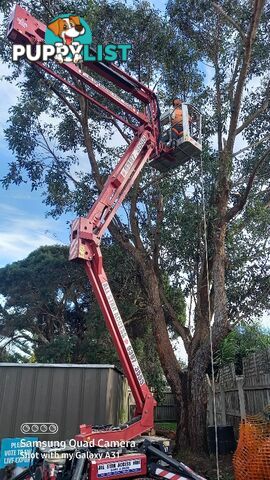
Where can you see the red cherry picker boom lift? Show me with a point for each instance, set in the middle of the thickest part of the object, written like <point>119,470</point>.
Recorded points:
<point>147,459</point>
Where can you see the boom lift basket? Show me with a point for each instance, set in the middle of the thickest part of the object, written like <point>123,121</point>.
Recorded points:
<point>177,152</point>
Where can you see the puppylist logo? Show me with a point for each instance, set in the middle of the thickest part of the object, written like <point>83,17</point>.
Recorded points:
<point>68,38</point>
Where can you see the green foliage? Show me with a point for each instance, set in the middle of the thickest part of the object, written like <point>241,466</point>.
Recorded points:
<point>242,341</point>
<point>176,297</point>
<point>146,350</point>
<point>48,306</point>
<point>50,315</point>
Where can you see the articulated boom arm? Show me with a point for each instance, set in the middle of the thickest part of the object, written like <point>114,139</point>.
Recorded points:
<point>87,232</point>
<point>86,237</point>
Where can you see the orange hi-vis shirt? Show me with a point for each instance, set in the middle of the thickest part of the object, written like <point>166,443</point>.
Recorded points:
<point>177,116</point>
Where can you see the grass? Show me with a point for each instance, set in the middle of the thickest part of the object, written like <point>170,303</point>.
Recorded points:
<point>170,426</point>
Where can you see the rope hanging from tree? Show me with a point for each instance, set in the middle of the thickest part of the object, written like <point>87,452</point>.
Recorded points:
<point>209,314</point>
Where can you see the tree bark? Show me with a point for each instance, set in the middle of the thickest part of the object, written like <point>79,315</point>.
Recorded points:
<point>198,398</point>
<point>172,370</point>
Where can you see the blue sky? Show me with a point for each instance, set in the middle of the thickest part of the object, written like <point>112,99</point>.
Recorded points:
<point>24,225</point>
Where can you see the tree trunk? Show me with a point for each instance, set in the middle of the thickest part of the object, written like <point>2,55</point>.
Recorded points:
<point>172,370</point>
<point>182,440</point>
<point>198,397</point>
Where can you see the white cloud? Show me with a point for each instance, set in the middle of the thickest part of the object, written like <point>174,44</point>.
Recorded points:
<point>18,245</point>
<point>20,235</point>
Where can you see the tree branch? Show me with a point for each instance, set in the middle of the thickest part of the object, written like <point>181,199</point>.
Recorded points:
<point>89,144</point>
<point>255,114</point>
<point>233,79</point>
<point>243,199</point>
<point>236,105</point>
<point>218,92</point>
<point>132,215</point>
<point>15,339</point>
<point>156,242</point>
<point>255,144</point>
<point>179,328</point>
<point>123,239</point>
<point>57,92</point>
<point>120,130</point>
<point>229,19</point>
<point>117,126</point>
<point>157,178</point>
<point>56,159</point>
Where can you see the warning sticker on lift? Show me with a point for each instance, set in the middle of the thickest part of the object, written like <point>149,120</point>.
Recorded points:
<point>123,333</point>
<point>119,468</point>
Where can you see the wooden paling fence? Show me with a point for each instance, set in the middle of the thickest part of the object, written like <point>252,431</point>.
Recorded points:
<point>166,410</point>
<point>236,395</point>
<point>240,395</point>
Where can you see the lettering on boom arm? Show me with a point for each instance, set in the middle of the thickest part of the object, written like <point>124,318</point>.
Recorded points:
<point>123,333</point>
<point>131,159</point>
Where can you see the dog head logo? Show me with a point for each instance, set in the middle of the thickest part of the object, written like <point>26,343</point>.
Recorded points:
<point>67,28</point>
<point>72,32</point>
